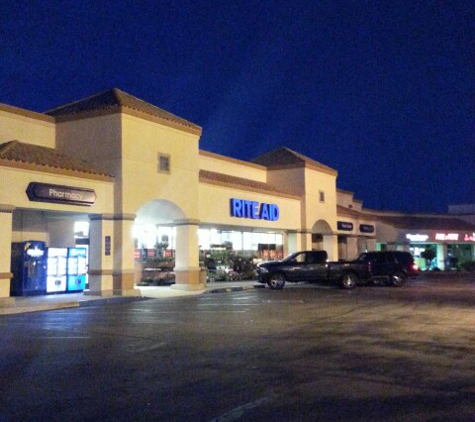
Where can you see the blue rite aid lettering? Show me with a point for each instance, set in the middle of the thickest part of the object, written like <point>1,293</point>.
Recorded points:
<point>241,208</point>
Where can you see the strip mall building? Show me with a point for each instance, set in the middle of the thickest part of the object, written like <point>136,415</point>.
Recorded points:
<point>123,176</point>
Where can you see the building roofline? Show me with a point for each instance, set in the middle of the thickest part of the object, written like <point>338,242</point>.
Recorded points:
<point>231,159</point>
<point>115,101</point>
<point>34,157</point>
<point>234,182</point>
<point>26,113</point>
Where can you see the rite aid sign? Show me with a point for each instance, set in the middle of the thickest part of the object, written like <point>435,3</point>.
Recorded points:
<point>251,209</point>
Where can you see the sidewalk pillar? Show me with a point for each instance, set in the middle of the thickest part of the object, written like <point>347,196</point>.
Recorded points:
<point>187,268</point>
<point>305,240</point>
<point>442,252</point>
<point>352,248</point>
<point>330,244</point>
<point>300,240</point>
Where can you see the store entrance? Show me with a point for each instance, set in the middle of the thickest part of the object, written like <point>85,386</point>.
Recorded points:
<point>155,243</point>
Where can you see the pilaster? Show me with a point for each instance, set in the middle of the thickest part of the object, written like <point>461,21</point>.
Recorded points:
<point>6,212</point>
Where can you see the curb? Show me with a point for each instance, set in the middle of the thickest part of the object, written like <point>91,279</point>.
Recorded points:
<point>111,300</point>
<point>235,288</point>
<point>11,310</point>
<point>37,308</point>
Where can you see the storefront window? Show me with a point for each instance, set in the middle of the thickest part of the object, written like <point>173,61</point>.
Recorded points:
<point>153,242</point>
<point>234,254</point>
<point>247,241</point>
<point>425,256</point>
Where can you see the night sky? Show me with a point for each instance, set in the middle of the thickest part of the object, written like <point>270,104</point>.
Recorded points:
<point>382,91</point>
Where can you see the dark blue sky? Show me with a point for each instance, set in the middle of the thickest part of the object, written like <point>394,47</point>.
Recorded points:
<point>382,91</point>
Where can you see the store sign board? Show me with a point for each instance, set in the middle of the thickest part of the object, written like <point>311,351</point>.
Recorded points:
<point>366,228</point>
<point>43,192</point>
<point>447,236</point>
<point>417,237</point>
<point>469,237</point>
<point>344,225</point>
<point>242,208</point>
<point>441,237</point>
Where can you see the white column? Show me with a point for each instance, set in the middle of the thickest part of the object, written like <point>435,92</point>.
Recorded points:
<point>293,242</point>
<point>371,243</point>
<point>6,212</point>
<point>285,243</point>
<point>330,244</point>
<point>187,264</point>
<point>441,255</point>
<point>343,249</point>
<point>352,247</point>
<point>306,240</point>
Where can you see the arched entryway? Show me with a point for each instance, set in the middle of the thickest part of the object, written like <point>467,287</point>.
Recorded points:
<point>323,238</point>
<point>165,239</point>
<point>153,232</point>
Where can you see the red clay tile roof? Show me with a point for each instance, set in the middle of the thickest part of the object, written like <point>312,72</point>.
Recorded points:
<point>285,157</point>
<point>115,100</point>
<point>19,152</point>
<point>238,182</point>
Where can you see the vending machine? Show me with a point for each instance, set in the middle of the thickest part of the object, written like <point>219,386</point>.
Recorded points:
<point>28,266</point>
<point>77,269</point>
<point>57,270</point>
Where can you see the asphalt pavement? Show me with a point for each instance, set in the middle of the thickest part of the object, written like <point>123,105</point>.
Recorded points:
<point>309,352</point>
<point>16,305</point>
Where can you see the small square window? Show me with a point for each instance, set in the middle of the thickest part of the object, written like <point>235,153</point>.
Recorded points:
<point>163,163</point>
<point>321,196</point>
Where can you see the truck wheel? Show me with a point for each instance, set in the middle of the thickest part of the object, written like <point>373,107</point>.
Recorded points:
<point>276,281</point>
<point>349,281</point>
<point>398,279</point>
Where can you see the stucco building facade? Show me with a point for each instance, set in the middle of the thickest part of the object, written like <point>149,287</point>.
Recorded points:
<point>136,174</point>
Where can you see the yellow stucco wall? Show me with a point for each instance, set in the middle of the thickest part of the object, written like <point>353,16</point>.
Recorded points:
<point>232,167</point>
<point>288,179</point>
<point>96,140</point>
<point>316,210</point>
<point>14,182</point>
<point>128,147</point>
<point>36,131</point>
<point>141,182</point>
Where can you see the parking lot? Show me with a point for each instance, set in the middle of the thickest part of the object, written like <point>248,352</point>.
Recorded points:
<point>305,353</point>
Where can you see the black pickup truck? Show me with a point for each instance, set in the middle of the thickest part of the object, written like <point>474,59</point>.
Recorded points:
<point>392,267</point>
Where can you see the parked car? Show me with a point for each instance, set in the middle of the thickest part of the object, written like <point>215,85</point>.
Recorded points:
<point>308,266</point>
<point>392,267</point>
<point>389,266</point>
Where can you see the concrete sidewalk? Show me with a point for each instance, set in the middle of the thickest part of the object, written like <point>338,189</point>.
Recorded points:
<point>17,305</point>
